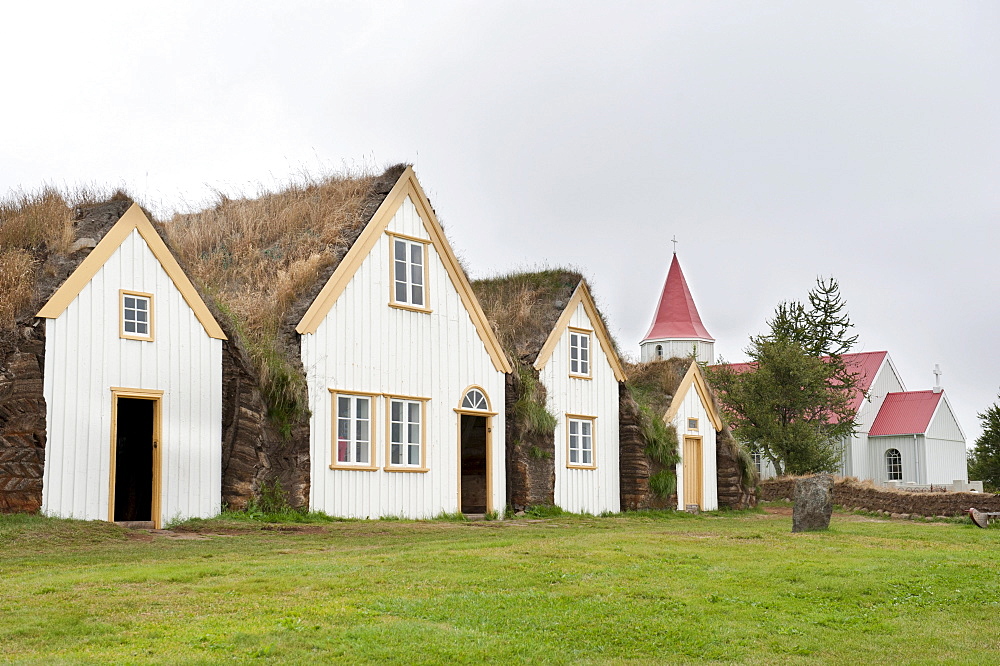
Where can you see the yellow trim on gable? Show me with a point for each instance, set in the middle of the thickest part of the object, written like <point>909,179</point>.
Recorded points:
<point>406,186</point>
<point>582,295</point>
<point>695,377</point>
<point>133,220</point>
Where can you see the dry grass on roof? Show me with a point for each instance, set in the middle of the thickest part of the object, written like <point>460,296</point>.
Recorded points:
<point>37,231</point>
<point>524,307</point>
<point>656,382</point>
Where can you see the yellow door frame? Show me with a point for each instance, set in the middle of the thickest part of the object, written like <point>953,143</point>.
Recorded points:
<point>139,394</point>
<point>489,454</point>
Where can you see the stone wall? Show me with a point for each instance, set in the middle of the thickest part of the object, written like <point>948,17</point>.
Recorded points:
<point>254,453</point>
<point>531,468</point>
<point>734,492</point>
<point>22,418</point>
<point>635,467</point>
<point>853,494</point>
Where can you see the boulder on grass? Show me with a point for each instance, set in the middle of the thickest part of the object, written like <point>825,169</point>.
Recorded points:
<point>813,503</point>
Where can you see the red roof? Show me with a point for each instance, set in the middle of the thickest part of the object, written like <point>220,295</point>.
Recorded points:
<point>864,364</point>
<point>676,314</point>
<point>907,413</point>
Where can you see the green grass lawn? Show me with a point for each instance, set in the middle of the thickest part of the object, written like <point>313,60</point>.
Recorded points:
<point>645,588</point>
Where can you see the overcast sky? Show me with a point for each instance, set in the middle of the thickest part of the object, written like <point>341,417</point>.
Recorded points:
<point>779,141</point>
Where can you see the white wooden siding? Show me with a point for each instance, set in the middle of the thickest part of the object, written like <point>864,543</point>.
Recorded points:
<point>85,357</point>
<point>909,449</point>
<point>704,351</point>
<point>584,490</point>
<point>945,447</point>
<point>693,407</point>
<point>365,345</point>
<point>862,460</point>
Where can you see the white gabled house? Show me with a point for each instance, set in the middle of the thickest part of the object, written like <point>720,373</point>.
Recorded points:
<point>580,370</point>
<point>693,414</point>
<point>405,375</point>
<point>132,386</point>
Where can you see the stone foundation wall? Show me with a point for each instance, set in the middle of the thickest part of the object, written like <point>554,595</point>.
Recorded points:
<point>853,494</point>
<point>22,418</point>
<point>531,468</point>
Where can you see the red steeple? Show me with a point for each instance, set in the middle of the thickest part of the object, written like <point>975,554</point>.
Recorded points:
<point>676,315</point>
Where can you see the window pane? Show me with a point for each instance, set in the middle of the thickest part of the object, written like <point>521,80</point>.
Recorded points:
<point>399,250</point>
<point>586,457</point>
<point>401,292</point>
<point>362,407</point>
<point>343,406</point>
<point>467,402</point>
<point>362,431</point>
<point>418,296</point>
<point>397,433</point>
<point>574,353</point>
<point>397,410</point>
<point>343,428</point>
<point>140,315</point>
<point>574,427</point>
<point>400,271</point>
<point>396,454</point>
<point>417,254</point>
<point>130,327</point>
<point>414,454</point>
<point>414,433</point>
<point>584,341</point>
<point>417,274</point>
<point>573,455</point>
<point>343,450</point>
<point>414,412</point>
<point>130,302</point>
<point>585,427</point>
<point>362,452</point>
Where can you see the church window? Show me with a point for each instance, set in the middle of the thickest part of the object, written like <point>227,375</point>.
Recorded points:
<point>409,273</point>
<point>893,465</point>
<point>136,312</point>
<point>659,351</point>
<point>579,353</point>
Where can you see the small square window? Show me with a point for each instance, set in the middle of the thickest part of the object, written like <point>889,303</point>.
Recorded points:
<point>692,424</point>
<point>135,315</point>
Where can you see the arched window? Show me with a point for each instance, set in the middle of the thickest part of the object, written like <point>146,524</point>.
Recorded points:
<point>475,399</point>
<point>893,465</point>
<point>659,351</point>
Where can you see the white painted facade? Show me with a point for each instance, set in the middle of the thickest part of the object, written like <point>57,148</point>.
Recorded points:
<point>576,489</point>
<point>85,357</point>
<point>861,459</point>
<point>702,351</point>
<point>692,406</point>
<point>363,345</point>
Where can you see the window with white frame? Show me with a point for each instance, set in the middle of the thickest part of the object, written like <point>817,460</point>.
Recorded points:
<point>136,315</point>
<point>893,465</point>
<point>581,442</point>
<point>758,462</point>
<point>353,441</point>
<point>405,433</point>
<point>408,262</point>
<point>579,353</point>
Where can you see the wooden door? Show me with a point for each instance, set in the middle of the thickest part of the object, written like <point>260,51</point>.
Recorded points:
<point>693,471</point>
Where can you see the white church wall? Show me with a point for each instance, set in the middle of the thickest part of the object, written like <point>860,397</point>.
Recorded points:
<point>85,357</point>
<point>704,352</point>
<point>908,450</point>
<point>946,461</point>
<point>584,490</point>
<point>365,346</point>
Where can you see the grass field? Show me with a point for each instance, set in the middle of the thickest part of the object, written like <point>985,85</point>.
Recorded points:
<point>637,588</point>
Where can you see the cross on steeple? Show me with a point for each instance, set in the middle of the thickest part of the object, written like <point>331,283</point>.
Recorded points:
<point>674,241</point>
<point>937,378</point>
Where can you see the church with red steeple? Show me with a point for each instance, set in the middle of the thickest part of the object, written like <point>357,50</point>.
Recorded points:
<point>677,329</point>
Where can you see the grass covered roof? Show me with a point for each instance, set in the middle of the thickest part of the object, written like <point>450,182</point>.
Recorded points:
<point>523,307</point>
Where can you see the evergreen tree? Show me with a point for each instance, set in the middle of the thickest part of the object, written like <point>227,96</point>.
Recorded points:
<point>984,459</point>
<point>794,406</point>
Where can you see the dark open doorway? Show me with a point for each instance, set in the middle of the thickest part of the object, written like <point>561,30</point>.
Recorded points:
<point>134,460</point>
<point>474,468</point>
